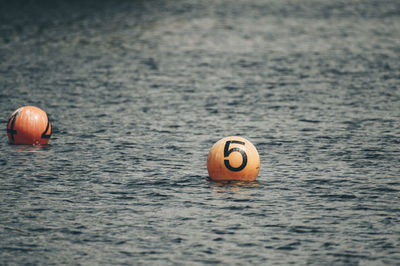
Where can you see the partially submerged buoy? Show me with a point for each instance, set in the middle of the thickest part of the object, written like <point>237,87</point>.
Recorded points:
<point>233,158</point>
<point>29,125</point>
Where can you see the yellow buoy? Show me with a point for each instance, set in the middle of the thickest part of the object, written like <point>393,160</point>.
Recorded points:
<point>29,125</point>
<point>233,158</point>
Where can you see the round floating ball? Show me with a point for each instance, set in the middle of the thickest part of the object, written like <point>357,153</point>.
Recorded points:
<point>233,158</point>
<point>29,125</point>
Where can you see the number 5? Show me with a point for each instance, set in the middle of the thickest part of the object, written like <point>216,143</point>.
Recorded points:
<point>228,151</point>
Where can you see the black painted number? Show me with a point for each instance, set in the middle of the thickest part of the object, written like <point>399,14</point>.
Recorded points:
<point>44,135</point>
<point>228,151</point>
<point>11,130</point>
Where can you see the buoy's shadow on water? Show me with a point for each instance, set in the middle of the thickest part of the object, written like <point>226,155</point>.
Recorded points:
<point>31,148</point>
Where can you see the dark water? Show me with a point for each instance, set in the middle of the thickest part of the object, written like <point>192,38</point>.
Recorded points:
<point>139,91</point>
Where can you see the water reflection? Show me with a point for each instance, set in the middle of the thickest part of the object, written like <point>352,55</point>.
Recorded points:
<point>241,189</point>
<point>32,148</point>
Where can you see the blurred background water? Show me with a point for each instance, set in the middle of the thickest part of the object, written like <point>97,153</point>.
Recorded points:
<point>139,91</point>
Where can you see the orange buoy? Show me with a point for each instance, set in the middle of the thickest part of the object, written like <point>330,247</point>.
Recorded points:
<point>233,158</point>
<point>29,125</point>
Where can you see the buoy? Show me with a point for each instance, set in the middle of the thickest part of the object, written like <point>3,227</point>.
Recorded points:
<point>233,158</point>
<point>29,125</point>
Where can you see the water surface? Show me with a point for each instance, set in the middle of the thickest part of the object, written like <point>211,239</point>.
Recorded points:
<point>139,91</point>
